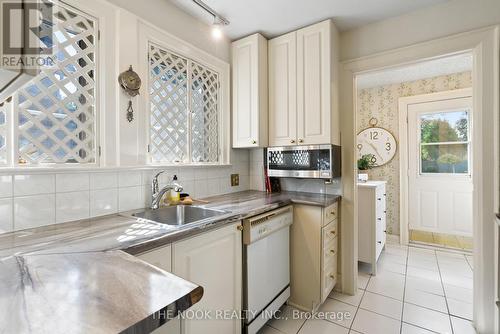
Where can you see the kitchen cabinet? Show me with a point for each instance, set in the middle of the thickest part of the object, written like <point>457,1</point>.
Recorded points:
<point>283,90</point>
<point>303,86</point>
<point>162,258</point>
<point>213,261</point>
<point>371,221</point>
<point>314,250</point>
<point>250,92</point>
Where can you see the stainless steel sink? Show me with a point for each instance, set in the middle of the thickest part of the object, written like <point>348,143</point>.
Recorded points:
<point>178,215</point>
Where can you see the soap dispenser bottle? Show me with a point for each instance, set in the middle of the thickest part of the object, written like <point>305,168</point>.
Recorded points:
<point>174,197</point>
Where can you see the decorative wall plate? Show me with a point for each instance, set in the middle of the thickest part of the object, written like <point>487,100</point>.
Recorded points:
<point>376,141</point>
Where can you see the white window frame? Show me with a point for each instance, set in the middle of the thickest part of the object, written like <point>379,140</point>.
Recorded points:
<point>468,143</point>
<point>148,34</point>
<point>12,115</point>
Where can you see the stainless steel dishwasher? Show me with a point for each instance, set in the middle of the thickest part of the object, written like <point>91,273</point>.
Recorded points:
<point>266,266</point>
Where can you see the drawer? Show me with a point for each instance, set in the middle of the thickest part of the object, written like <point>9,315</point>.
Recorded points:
<point>330,213</point>
<point>329,232</point>
<point>330,251</point>
<point>328,279</point>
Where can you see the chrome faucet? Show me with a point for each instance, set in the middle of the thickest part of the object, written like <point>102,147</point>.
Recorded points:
<point>157,193</point>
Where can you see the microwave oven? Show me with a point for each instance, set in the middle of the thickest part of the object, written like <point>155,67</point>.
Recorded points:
<point>312,161</point>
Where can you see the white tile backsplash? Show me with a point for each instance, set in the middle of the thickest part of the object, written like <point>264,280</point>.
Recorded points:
<point>103,202</point>
<point>72,206</point>
<point>72,182</point>
<point>6,221</point>
<point>130,198</point>
<point>129,179</point>
<point>39,199</point>
<point>6,188</point>
<point>34,184</point>
<point>34,211</point>
<point>103,180</point>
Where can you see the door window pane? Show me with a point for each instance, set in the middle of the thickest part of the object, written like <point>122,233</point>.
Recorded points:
<point>444,127</point>
<point>445,158</point>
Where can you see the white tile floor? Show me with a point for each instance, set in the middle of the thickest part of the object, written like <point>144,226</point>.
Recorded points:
<point>416,291</point>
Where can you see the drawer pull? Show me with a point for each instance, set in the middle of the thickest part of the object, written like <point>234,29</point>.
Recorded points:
<point>332,213</point>
<point>385,231</point>
<point>379,219</point>
<point>332,276</point>
<point>292,141</point>
<point>385,195</point>
<point>239,227</point>
<point>385,211</point>
<point>332,251</point>
<point>254,142</point>
<point>379,242</point>
<point>332,232</point>
<point>379,199</point>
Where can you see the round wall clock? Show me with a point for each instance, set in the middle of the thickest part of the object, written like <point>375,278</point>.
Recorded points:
<point>376,141</point>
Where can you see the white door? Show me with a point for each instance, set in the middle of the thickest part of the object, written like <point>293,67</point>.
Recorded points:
<point>313,84</point>
<point>439,161</point>
<point>283,90</point>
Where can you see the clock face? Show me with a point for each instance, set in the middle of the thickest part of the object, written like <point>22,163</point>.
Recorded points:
<point>379,142</point>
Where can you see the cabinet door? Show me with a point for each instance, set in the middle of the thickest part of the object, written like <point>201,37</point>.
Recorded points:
<point>212,260</point>
<point>159,257</point>
<point>313,84</point>
<point>282,90</point>
<point>162,258</point>
<point>250,92</point>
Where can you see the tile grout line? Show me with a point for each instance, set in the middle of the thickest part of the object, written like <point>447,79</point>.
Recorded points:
<point>404,290</point>
<point>444,292</point>
<point>359,304</point>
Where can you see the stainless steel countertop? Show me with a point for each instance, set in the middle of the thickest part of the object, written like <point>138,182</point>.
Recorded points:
<point>38,266</point>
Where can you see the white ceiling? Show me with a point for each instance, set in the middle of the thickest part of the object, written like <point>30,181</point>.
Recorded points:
<point>275,17</point>
<point>423,70</point>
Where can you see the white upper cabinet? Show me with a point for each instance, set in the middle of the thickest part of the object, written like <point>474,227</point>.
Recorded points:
<point>283,90</point>
<point>303,87</point>
<point>250,92</point>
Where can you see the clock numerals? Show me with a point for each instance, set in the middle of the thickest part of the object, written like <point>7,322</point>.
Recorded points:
<point>373,159</point>
<point>360,147</point>
<point>388,146</point>
<point>373,135</point>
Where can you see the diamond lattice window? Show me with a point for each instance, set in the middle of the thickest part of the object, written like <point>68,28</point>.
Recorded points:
<point>56,109</point>
<point>184,109</point>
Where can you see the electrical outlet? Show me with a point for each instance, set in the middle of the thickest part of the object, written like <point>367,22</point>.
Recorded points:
<point>235,180</point>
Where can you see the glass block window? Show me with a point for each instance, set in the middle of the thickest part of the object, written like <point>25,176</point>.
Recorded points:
<point>55,111</point>
<point>184,109</point>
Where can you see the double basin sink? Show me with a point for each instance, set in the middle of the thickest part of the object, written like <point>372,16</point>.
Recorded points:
<point>178,215</point>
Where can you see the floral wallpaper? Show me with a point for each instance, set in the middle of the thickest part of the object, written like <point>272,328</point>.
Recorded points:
<point>382,103</point>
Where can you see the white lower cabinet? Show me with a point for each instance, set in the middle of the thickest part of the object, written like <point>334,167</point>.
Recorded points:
<point>313,254</point>
<point>371,222</point>
<point>213,261</point>
<point>162,258</point>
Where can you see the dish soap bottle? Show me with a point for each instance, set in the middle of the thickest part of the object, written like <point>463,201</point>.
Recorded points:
<point>174,197</point>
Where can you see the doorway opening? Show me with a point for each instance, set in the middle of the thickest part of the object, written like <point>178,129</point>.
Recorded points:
<point>416,206</point>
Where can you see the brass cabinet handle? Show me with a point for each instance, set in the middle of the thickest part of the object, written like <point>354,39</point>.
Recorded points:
<point>240,227</point>
<point>292,141</point>
<point>332,231</point>
<point>301,140</point>
<point>332,251</point>
<point>332,213</point>
<point>332,276</point>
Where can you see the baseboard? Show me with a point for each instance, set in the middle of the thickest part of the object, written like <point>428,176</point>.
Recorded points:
<point>392,238</point>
